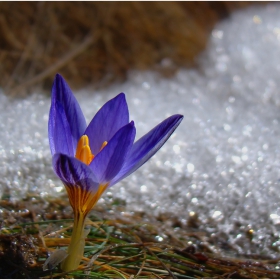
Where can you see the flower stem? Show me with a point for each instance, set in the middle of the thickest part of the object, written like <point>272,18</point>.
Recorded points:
<point>77,244</point>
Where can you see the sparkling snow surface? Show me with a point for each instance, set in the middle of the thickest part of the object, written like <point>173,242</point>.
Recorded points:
<point>223,162</point>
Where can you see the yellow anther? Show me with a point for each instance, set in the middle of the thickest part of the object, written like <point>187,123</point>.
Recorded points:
<point>103,145</point>
<point>83,152</point>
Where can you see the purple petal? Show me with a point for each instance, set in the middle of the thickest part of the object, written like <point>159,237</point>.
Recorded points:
<point>110,160</point>
<point>107,121</point>
<point>64,109</point>
<point>147,146</point>
<point>59,131</point>
<point>73,172</point>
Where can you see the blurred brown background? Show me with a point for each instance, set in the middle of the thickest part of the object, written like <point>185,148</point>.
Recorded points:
<point>98,42</point>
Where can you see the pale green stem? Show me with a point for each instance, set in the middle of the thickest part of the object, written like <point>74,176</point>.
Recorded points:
<point>77,244</point>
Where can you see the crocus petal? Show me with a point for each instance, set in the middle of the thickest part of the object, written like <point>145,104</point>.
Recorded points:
<point>73,172</point>
<point>110,160</point>
<point>107,121</point>
<point>80,198</point>
<point>147,146</point>
<point>60,138</point>
<point>69,111</point>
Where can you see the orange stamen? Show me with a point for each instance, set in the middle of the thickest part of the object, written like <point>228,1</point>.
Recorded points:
<point>83,152</point>
<point>103,145</point>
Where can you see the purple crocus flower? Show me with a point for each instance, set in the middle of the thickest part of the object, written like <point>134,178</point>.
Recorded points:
<point>90,159</point>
